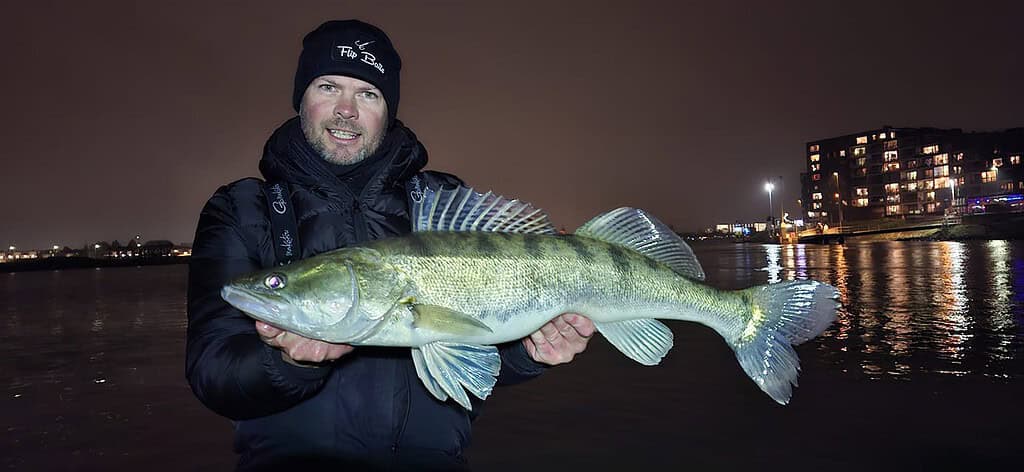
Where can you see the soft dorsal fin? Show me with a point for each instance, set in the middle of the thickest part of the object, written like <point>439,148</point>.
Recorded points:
<point>464,209</point>
<point>635,229</point>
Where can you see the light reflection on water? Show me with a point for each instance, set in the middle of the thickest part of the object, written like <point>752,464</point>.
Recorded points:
<point>948,308</point>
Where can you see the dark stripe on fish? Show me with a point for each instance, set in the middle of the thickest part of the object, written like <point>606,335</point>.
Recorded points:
<point>621,260</point>
<point>418,244</point>
<point>484,243</point>
<point>531,243</point>
<point>582,251</point>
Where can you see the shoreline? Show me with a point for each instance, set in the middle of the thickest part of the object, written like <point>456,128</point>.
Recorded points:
<point>63,263</point>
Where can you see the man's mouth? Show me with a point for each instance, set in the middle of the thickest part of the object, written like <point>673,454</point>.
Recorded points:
<point>342,134</point>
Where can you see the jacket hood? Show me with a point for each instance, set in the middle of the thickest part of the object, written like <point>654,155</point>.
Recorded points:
<point>287,156</point>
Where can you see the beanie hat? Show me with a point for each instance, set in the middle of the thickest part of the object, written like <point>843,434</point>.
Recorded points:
<point>353,49</point>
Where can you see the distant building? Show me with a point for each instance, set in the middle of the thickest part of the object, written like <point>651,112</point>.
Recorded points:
<point>158,248</point>
<point>900,172</point>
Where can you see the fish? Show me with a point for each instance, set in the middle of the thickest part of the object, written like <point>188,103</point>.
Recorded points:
<point>480,269</point>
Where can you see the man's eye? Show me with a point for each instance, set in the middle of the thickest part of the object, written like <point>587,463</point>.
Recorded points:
<point>370,95</point>
<point>327,87</point>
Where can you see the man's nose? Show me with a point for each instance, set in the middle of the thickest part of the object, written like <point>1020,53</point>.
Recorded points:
<point>346,108</point>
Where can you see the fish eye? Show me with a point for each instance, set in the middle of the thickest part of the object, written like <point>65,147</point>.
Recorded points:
<point>275,281</point>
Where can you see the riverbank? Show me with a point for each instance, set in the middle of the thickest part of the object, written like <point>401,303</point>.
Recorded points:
<point>970,228</point>
<point>62,263</point>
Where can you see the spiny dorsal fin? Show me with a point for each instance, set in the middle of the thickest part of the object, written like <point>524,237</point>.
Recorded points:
<point>464,209</point>
<point>635,229</point>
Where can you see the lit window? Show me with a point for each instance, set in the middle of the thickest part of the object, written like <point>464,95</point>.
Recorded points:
<point>934,148</point>
<point>929,197</point>
<point>892,134</point>
<point>812,214</point>
<point>958,170</point>
<point>891,167</point>
<point>988,176</point>
<point>842,153</point>
<point>911,164</point>
<point>1006,186</point>
<point>891,156</point>
<point>997,162</point>
<point>862,140</point>
<point>892,188</point>
<point>959,156</point>
<point>816,196</point>
<point>816,177</point>
<point>927,173</point>
<point>815,167</point>
<point>815,157</point>
<point>911,175</point>
<point>892,210</point>
<point>928,184</point>
<point>941,171</point>
<point>816,205</point>
<point>940,183</point>
<point>1014,160</point>
<point>862,161</point>
<point>882,136</point>
<point>862,191</point>
<point>912,187</point>
<point>941,159</point>
<point>859,151</point>
<point>862,172</point>
<point>813,148</point>
<point>860,202</point>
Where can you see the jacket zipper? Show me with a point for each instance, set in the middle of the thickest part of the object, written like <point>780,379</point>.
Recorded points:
<point>359,222</point>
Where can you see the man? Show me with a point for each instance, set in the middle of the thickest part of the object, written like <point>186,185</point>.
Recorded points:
<point>346,162</point>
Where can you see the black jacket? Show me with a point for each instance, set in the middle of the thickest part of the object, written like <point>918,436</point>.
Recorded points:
<point>368,409</point>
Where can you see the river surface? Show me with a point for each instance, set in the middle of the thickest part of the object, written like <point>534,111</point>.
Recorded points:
<point>923,370</point>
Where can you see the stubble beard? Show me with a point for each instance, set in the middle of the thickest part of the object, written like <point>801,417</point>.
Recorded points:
<point>317,137</point>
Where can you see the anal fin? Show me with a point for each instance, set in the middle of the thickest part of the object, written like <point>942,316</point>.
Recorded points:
<point>645,341</point>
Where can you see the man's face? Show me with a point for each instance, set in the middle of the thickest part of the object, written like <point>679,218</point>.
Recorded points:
<point>343,118</point>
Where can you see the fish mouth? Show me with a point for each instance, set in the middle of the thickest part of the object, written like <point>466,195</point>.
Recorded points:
<point>252,305</point>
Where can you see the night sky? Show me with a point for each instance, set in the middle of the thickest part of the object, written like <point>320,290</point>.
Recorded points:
<point>121,119</point>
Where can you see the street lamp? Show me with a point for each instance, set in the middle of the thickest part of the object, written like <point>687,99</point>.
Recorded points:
<point>768,187</point>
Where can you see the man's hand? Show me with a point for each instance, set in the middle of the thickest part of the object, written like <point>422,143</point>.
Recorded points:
<point>560,340</point>
<point>296,348</point>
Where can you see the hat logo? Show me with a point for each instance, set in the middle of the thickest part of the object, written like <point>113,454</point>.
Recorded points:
<point>359,51</point>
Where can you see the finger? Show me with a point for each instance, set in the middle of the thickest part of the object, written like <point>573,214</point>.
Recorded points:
<point>335,351</point>
<point>564,328</point>
<point>531,348</point>
<point>267,330</point>
<point>550,332</point>
<point>583,325</point>
<point>538,339</point>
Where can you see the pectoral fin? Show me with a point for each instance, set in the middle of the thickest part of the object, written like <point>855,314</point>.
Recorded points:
<point>645,341</point>
<point>450,368</point>
<point>443,320</point>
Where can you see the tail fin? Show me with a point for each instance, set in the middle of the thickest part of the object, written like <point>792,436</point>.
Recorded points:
<point>782,316</point>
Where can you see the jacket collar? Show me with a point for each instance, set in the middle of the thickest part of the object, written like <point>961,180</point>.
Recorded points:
<point>288,157</point>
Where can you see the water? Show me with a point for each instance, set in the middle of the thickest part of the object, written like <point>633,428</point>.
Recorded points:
<point>924,369</point>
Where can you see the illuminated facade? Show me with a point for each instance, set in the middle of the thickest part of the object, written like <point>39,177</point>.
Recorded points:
<point>904,172</point>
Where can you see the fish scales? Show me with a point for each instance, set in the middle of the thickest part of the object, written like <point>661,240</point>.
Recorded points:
<point>532,276</point>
